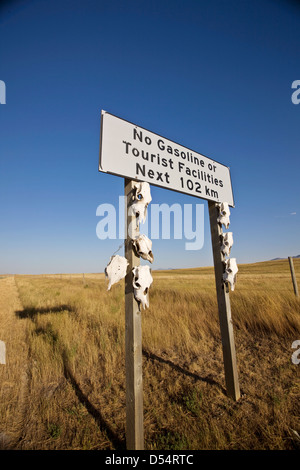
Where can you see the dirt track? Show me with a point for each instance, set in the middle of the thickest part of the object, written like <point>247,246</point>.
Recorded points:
<point>13,374</point>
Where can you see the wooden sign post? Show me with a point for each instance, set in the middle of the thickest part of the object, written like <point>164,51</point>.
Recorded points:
<point>228,345</point>
<point>133,338</point>
<point>293,276</point>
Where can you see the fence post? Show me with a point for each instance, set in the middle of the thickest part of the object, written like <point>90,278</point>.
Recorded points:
<point>227,336</point>
<point>293,276</point>
<point>133,337</point>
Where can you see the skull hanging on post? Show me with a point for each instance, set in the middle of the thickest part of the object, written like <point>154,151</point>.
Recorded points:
<point>142,280</point>
<point>141,200</point>
<point>230,273</point>
<point>227,242</point>
<point>116,269</point>
<point>224,214</point>
<point>143,247</point>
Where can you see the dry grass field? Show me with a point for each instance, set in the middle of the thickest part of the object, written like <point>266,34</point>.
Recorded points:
<point>63,384</point>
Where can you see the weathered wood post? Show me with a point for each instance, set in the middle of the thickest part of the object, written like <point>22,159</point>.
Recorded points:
<point>227,336</point>
<point>133,337</point>
<point>2,352</point>
<point>293,276</point>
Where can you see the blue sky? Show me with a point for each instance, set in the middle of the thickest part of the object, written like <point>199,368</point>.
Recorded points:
<point>213,76</point>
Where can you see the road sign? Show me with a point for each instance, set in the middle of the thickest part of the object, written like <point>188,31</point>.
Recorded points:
<point>133,152</point>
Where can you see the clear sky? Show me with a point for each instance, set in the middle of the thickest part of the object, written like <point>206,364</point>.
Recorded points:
<point>213,76</point>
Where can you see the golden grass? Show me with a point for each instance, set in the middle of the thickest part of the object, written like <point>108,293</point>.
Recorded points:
<point>72,335</point>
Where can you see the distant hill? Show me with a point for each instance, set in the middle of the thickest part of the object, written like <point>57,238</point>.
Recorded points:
<point>275,259</point>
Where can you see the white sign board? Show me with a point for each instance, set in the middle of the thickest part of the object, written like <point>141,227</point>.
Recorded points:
<point>133,152</point>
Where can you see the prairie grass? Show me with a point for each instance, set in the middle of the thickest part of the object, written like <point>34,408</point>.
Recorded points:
<point>75,366</point>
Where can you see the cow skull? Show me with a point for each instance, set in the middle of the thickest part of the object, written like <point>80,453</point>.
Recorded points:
<point>141,199</point>
<point>116,269</point>
<point>143,247</point>
<point>224,214</point>
<point>227,242</point>
<point>142,280</point>
<point>231,270</point>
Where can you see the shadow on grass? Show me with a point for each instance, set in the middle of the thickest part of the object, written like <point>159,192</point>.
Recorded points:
<point>48,333</point>
<point>33,312</point>
<point>118,443</point>
<point>154,357</point>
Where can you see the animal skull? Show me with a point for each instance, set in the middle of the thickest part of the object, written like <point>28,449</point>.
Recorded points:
<point>227,242</point>
<point>224,214</point>
<point>116,269</point>
<point>142,280</point>
<point>143,247</point>
<point>231,270</point>
<point>141,199</point>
